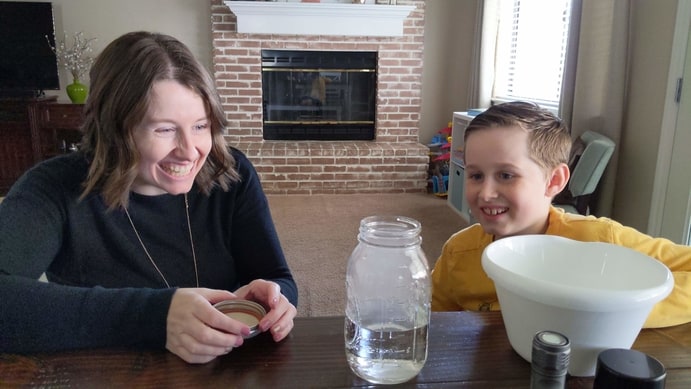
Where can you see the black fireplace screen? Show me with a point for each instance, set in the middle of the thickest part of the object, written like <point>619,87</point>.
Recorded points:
<point>318,95</point>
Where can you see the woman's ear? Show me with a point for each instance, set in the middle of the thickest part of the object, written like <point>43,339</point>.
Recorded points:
<point>559,178</point>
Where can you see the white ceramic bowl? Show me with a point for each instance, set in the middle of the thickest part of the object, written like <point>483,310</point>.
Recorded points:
<point>597,294</point>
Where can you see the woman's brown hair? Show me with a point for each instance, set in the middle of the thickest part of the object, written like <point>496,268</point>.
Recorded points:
<point>122,78</point>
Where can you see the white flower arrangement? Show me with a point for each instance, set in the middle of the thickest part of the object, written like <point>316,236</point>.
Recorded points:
<point>75,59</point>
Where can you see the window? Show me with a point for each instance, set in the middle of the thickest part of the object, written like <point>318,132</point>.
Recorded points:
<point>531,50</point>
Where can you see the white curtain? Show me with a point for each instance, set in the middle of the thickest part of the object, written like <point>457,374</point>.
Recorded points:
<point>599,77</point>
<point>482,72</point>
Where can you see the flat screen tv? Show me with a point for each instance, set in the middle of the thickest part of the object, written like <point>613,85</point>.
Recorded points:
<point>28,66</point>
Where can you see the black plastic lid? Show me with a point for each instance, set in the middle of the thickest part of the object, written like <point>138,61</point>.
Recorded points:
<point>631,369</point>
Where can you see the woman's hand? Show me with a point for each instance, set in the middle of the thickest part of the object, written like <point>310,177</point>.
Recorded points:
<point>196,331</point>
<point>279,318</point>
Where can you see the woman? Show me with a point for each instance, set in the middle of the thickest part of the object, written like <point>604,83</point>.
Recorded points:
<point>152,222</point>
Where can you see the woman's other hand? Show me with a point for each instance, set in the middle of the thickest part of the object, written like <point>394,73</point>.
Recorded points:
<point>196,331</point>
<point>280,315</point>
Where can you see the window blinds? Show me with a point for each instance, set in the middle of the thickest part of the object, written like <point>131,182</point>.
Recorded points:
<point>531,50</point>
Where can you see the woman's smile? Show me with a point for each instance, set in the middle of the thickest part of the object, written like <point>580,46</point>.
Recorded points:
<point>177,170</point>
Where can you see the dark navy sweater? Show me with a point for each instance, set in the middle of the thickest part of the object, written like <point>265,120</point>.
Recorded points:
<point>103,289</point>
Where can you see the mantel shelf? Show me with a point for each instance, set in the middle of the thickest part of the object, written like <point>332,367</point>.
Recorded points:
<point>266,17</point>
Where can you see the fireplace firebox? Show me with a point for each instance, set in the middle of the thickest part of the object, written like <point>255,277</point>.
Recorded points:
<point>319,95</point>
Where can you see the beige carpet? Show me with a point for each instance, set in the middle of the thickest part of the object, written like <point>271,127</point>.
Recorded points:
<point>319,232</point>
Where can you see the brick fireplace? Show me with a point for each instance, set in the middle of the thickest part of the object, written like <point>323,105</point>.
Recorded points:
<point>393,162</point>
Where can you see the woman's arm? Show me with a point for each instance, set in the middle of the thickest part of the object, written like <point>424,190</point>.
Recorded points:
<point>41,317</point>
<point>38,316</point>
<point>254,242</point>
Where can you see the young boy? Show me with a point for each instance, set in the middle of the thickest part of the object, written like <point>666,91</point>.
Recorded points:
<point>516,157</point>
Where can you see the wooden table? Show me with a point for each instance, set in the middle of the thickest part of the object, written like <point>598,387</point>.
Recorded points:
<point>466,349</point>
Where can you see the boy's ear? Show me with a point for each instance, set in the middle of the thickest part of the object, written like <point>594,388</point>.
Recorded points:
<point>558,180</point>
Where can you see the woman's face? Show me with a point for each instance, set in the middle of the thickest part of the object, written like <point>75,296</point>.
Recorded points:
<point>173,140</point>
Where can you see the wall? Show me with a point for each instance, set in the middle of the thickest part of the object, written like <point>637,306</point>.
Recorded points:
<point>651,44</point>
<point>652,25</point>
<point>190,21</point>
<point>187,20</point>
<point>449,28</point>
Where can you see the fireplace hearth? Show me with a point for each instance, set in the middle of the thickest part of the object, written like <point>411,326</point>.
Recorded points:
<point>318,95</point>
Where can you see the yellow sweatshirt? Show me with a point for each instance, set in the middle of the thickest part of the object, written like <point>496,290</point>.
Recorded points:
<point>459,282</point>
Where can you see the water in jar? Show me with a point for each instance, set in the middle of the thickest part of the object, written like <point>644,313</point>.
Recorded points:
<point>385,353</point>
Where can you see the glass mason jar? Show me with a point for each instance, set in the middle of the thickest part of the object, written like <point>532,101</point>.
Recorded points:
<point>388,301</point>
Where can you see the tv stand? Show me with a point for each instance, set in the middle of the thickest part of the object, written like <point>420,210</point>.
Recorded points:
<point>34,129</point>
<point>24,94</point>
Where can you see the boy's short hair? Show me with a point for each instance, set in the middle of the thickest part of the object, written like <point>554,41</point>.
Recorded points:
<point>549,141</point>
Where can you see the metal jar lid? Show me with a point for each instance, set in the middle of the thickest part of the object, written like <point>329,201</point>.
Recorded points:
<point>245,311</point>
<point>551,353</point>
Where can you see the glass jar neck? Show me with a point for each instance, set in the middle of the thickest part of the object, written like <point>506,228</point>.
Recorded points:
<point>390,231</point>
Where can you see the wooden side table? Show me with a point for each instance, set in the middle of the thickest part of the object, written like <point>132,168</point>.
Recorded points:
<point>55,128</point>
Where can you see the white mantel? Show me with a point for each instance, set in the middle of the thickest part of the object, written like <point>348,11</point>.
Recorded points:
<point>266,17</point>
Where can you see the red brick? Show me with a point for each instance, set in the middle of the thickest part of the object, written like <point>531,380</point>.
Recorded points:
<point>394,163</point>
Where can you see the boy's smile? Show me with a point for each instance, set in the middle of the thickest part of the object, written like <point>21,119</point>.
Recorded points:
<point>508,192</point>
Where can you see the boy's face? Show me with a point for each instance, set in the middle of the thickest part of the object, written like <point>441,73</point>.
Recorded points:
<point>508,193</point>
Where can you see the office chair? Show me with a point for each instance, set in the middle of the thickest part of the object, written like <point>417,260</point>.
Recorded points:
<point>586,171</point>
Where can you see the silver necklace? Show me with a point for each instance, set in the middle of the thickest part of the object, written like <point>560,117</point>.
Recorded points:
<point>189,228</point>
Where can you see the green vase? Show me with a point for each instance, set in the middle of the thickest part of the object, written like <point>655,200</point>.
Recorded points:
<point>77,92</point>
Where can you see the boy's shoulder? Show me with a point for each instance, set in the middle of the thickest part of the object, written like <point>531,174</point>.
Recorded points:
<point>470,238</point>
<point>582,227</point>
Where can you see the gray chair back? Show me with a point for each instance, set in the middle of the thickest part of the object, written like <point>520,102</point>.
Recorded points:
<point>586,173</point>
